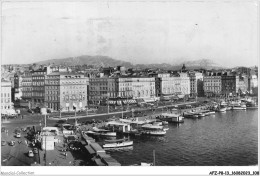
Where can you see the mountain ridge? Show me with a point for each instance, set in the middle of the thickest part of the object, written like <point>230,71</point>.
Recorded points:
<point>106,61</point>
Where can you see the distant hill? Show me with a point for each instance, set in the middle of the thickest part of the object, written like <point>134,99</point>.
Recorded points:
<point>190,65</point>
<point>103,61</point>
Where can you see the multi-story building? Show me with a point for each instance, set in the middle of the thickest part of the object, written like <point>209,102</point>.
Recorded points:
<point>38,91</point>
<point>241,84</point>
<point>228,83</point>
<point>17,86</point>
<point>196,84</point>
<point>212,85</point>
<point>175,85</point>
<point>6,102</point>
<point>104,88</point>
<point>253,84</point>
<point>136,87</point>
<point>27,86</point>
<point>99,89</point>
<point>65,91</point>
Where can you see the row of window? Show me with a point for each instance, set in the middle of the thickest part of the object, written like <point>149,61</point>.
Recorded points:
<point>5,100</point>
<point>52,92</point>
<point>51,82</point>
<point>52,98</point>
<point>38,83</point>
<point>5,107</point>
<point>51,87</point>
<point>38,94</point>
<point>5,94</point>
<point>37,78</point>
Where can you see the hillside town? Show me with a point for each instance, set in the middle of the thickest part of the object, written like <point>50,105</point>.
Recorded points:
<point>59,113</point>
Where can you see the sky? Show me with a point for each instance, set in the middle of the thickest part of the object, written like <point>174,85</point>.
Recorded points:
<point>137,32</point>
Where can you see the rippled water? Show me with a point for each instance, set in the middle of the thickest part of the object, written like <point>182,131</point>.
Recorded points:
<point>223,139</point>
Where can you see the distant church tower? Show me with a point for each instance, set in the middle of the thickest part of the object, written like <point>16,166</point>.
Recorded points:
<point>183,69</point>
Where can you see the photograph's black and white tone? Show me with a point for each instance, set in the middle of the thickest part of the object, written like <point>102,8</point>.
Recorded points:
<point>129,83</point>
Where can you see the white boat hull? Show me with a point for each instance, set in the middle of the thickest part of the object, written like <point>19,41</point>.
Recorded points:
<point>154,133</point>
<point>117,145</point>
<point>239,108</point>
<point>108,134</point>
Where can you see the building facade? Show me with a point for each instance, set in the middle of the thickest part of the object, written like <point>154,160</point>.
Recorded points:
<point>38,90</point>
<point>175,85</point>
<point>17,86</point>
<point>229,85</point>
<point>72,92</point>
<point>212,85</point>
<point>27,86</point>
<point>6,102</point>
<point>196,84</point>
<point>99,89</point>
<point>241,84</point>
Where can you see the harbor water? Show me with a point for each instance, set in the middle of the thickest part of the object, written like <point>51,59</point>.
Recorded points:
<point>223,139</point>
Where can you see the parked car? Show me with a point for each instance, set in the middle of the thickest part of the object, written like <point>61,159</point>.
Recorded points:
<point>35,150</point>
<point>12,143</point>
<point>18,135</point>
<point>3,143</point>
<point>30,153</point>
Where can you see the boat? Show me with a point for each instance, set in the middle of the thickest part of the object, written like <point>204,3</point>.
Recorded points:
<point>155,130</point>
<point>251,105</point>
<point>190,115</point>
<point>201,115</point>
<point>228,108</point>
<point>165,123</point>
<point>223,103</point>
<point>221,109</point>
<point>157,123</point>
<point>175,118</point>
<point>212,112</point>
<point>103,132</point>
<point>165,129</point>
<point>239,107</point>
<point>118,143</point>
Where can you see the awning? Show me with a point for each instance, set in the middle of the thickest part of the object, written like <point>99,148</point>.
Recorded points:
<point>90,150</point>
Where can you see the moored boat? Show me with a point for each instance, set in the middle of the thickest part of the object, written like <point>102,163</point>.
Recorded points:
<point>103,132</point>
<point>117,143</point>
<point>239,107</point>
<point>221,109</point>
<point>155,130</point>
<point>228,108</point>
<point>175,118</point>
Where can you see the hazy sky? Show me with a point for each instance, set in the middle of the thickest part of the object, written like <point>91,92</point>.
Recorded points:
<point>138,32</point>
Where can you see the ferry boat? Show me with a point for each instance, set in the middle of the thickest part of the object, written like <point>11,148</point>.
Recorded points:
<point>103,132</point>
<point>175,118</point>
<point>155,130</point>
<point>117,143</point>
